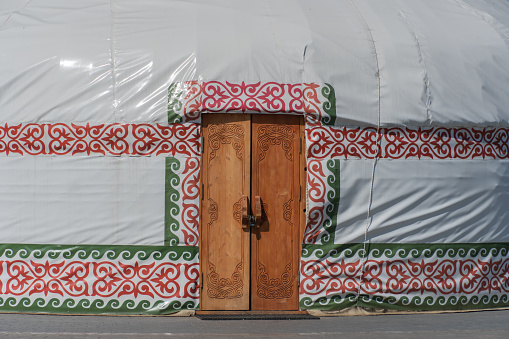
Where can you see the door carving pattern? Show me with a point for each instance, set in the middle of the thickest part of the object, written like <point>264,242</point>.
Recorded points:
<point>237,211</point>
<point>226,134</point>
<point>275,135</point>
<point>278,288</point>
<point>213,212</point>
<point>287,211</point>
<point>225,288</point>
<point>222,288</point>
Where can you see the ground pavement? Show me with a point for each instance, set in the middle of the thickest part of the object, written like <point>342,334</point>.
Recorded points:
<point>486,324</point>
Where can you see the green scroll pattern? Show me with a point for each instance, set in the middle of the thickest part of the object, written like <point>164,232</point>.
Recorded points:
<point>333,197</point>
<point>171,206</point>
<point>175,103</point>
<point>329,105</point>
<point>99,252</point>
<point>405,250</point>
<point>416,303</point>
<point>97,306</point>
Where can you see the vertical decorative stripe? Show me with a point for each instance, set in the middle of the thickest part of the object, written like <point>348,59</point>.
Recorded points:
<point>182,197</point>
<point>329,105</point>
<point>332,202</point>
<point>323,196</point>
<point>171,206</point>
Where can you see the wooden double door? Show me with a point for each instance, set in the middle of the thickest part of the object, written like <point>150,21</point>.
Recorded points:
<point>252,211</point>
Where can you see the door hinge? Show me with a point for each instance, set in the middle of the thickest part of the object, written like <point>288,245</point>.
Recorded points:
<point>201,283</point>
<point>202,191</point>
<point>300,145</point>
<point>202,145</point>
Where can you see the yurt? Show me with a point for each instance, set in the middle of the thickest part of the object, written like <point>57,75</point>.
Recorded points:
<point>160,156</point>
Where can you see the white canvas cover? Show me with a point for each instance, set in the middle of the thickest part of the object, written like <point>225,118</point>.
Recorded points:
<point>407,144</point>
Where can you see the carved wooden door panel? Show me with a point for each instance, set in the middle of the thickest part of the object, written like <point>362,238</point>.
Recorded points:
<point>224,244</point>
<point>275,245</point>
<point>258,157</point>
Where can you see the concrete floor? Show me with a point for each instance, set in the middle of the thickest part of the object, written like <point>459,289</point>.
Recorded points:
<point>485,324</point>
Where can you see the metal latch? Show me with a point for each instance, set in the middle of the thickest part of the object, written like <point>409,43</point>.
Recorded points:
<point>251,221</point>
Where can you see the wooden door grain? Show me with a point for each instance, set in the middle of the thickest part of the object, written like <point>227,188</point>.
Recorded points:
<point>224,243</point>
<point>275,180</point>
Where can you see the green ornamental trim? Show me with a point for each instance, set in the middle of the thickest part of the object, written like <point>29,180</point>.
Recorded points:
<point>329,106</point>
<point>175,103</point>
<point>97,252</point>
<point>406,250</point>
<point>171,206</point>
<point>98,306</point>
<point>333,197</point>
<point>439,303</point>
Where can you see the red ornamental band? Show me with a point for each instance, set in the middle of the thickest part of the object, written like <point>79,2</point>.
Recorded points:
<point>103,139</point>
<point>269,97</point>
<point>158,280</point>
<point>405,276</point>
<point>403,143</point>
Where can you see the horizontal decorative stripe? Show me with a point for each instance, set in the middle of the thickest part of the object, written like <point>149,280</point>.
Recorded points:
<point>98,279</point>
<point>406,250</point>
<point>102,139</point>
<point>188,99</point>
<point>96,252</point>
<point>336,302</point>
<point>95,306</point>
<point>412,276</point>
<point>403,143</point>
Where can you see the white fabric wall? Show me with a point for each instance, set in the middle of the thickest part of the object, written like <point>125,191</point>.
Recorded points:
<point>431,201</point>
<point>82,200</point>
<point>441,62</point>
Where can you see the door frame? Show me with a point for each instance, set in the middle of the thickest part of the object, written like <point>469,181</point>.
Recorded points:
<point>302,204</point>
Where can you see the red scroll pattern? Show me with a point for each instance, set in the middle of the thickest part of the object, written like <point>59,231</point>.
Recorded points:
<point>403,143</point>
<point>316,196</point>
<point>103,139</point>
<point>162,280</point>
<point>402,277</point>
<point>269,97</point>
<point>190,198</point>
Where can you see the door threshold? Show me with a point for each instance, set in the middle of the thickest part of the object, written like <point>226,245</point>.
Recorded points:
<point>254,315</point>
<point>249,312</point>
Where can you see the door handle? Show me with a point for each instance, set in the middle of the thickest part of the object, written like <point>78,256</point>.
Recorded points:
<point>245,212</point>
<point>258,211</point>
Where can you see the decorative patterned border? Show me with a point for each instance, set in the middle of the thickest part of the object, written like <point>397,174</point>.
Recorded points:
<point>186,100</point>
<point>182,199</point>
<point>102,139</point>
<point>405,276</point>
<point>323,181</point>
<point>98,279</point>
<point>403,143</point>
